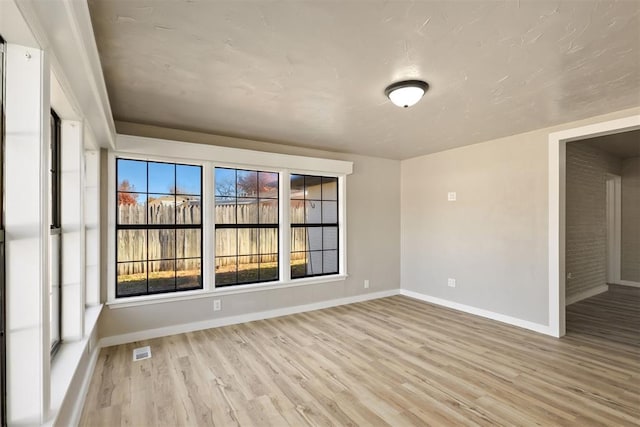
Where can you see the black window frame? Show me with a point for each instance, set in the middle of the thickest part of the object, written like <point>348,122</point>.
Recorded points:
<point>258,225</point>
<point>150,227</point>
<point>3,368</point>
<point>322,225</point>
<point>55,214</point>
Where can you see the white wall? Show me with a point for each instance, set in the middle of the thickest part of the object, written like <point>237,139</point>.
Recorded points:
<point>630,251</point>
<point>373,245</point>
<point>494,239</point>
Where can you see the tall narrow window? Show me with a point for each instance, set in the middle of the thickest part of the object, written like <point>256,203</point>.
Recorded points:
<point>246,226</point>
<point>55,237</point>
<point>2,285</point>
<point>314,226</point>
<point>158,227</point>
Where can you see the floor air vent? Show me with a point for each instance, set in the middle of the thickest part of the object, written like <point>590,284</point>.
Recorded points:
<point>141,353</point>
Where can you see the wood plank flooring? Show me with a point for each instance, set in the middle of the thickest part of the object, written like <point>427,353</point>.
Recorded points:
<point>393,361</point>
<point>613,316</point>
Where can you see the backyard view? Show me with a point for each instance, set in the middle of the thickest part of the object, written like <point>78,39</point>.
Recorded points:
<point>159,227</point>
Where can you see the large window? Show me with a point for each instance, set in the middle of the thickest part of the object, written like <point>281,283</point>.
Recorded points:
<point>55,236</point>
<point>158,227</point>
<point>314,226</point>
<point>246,227</point>
<point>246,231</point>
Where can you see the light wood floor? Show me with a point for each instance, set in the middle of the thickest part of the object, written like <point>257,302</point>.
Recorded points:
<point>394,361</point>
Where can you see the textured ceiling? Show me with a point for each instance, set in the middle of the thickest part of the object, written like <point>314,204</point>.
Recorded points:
<point>623,145</point>
<point>313,73</point>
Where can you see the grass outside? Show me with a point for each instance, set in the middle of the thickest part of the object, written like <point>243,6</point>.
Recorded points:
<point>131,284</point>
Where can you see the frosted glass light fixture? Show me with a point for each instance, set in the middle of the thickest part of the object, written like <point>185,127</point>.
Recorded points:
<point>406,93</point>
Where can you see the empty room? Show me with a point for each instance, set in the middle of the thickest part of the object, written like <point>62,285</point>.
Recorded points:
<point>319,213</point>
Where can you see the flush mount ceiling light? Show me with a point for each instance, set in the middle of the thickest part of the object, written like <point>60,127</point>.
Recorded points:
<point>406,93</point>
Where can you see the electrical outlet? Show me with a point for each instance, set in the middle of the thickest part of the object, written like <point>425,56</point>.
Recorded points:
<point>217,305</point>
<point>451,196</point>
<point>569,275</point>
<point>451,283</point>
<point>366,283</point>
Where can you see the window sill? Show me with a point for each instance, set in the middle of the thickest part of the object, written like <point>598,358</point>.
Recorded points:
<point>68,357</point>
<point>230,290</point>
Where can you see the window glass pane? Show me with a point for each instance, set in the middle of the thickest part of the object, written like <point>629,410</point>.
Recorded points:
<point>314,238</point>
<point>314,263</point>
<point>329,212</point>
<point>268,240</point>
<point>329,188</point>
<point>188,274</point>
<point>298,264</point>
<point>330,238</point>
<point>299,239</point>
<point>247,241</point>
<point>296,214</point>
<point>247,183</point>
<point>132,176</point>
<point>225,210</point>
<point>313,187</point>
<point>162,244</point>
<point>297,186</point>
<point>132,278</point>
<point>268,212</point>
<point>188,179</point>
<point>248,268</point>
<point>162,276</point>
<point>226,268</point>
<point>188,210</point>
<point>268,185</point>
<point>225,182</point>
<point>247,211</point>
<point>162,178</point>
<point>313,212</point>
<point>132,245</point>
<point>188,243</point>
<point>132,208</point>
<point>226,242</point>
<point>161,209</point>
<point>329,262</point>
<point>269,267</point>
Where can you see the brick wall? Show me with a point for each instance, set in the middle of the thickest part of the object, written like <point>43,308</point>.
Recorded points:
<point>586,224</point>
<point>630,256</point>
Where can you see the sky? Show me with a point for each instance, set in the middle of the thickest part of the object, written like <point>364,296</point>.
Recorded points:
<point>162,177</point>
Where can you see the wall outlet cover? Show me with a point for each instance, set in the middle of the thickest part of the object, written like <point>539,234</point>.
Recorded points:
<point>452,196</point>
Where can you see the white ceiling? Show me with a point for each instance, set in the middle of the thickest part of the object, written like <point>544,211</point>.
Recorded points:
<point>313,73</point>
<point>623,145</point>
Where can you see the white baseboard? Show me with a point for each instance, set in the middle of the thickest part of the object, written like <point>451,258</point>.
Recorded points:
<point>84,390</point>
<point>536,327</point>
<point>587,293</point>
<point>234,320</point>
<point>628,283</point>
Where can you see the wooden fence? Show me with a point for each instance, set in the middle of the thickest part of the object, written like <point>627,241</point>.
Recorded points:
<point>159,245</point>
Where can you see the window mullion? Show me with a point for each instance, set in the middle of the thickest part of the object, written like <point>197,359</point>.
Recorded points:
<point>208,227</point>
<point>285,226</point>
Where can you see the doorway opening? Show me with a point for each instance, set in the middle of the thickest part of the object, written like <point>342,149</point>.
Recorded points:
<point>559,275</point>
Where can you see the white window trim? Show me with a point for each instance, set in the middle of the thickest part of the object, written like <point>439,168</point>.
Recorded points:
<point>209,157</point>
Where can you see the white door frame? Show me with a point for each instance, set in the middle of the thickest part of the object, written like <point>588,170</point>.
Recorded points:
<point>557,200</point>
<point>614,228</point>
